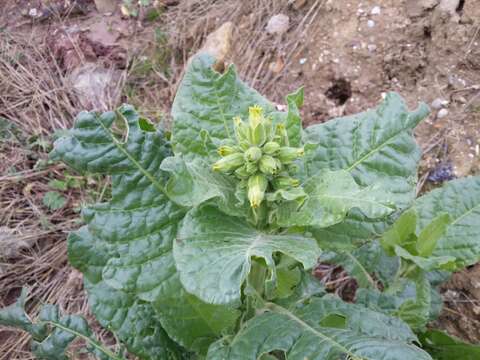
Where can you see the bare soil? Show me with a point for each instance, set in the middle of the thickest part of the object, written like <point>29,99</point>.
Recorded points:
<point>346,54</point>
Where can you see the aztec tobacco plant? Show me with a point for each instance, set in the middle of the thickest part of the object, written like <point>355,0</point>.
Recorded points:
<point>206,247</point>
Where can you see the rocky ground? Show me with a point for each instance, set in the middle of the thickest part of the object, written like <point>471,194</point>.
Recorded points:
<point>346,54</point>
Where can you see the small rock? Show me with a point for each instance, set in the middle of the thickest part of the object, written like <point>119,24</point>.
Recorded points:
<point>33,12</point>
<point>438,103</point>
<point>278,24</point>
<point>370,23</point>
<point>219,44</point>
<point>106,6</point>
<point>449,6</point>
<point>276,66</point>
<point>298,4</point>
<point>372,47</point>
<point>376,10</point>
<point>302,61</point>
<point>442,113</point>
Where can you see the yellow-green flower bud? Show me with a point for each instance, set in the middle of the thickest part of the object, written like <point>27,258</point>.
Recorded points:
<point>241,130</point>
<point>251,168</point>
<point>229,163</point>
<point>253,154</point>
<point>258,135</point>
<point>255,116</point>
<point>257,185</point>
<point>281,135</point>
<point>268,165</point>
<point>242,172</point>
<point>271,147</point>
<point>288,154</point>
<point>225,150</point>
<point>285,182</point>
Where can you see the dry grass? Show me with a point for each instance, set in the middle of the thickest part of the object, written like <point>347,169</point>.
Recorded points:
<point>254,49</point>
<point>35,101</point>
<point>33,91</point>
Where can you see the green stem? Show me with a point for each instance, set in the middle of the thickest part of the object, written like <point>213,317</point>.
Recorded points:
<point>92,342</point>
<point>256,287</point>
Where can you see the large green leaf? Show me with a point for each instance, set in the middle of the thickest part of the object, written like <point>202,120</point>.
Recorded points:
<point>326,329</point>
<point>190,321</point>
<point>445,347</point>
<point>213,253</point>
<point>134,322</point>
<point>461,200</point>
<point>207,101</point>
<point>193,182</point>
<point>126,247</point>
<point>331,194</point>
<point>376,147</point>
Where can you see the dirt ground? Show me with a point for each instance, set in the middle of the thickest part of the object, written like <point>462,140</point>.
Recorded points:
<point>346,54</point>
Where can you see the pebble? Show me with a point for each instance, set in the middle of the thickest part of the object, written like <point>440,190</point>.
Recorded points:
<point>302,61</point>
<point>372,47</point>
<point>370,23</point>
<point>33,12</point>
<point>278,24</point>
<point>442,113</point>
<point>438,103</point>
<point>376,10</point>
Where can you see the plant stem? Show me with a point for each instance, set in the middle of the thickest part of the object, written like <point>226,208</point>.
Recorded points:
<point>90,341</point>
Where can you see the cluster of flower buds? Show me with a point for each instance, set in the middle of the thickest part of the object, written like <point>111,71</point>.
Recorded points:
<point>260,156</point>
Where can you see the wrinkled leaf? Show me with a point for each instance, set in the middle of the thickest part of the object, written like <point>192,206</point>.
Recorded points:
<point>127,244</point>
<point>208,101</point>
<point>213,253</point>
<point>376,147</point>
<point>330,196</point>
<point>299,334</point>
<point>461,200</point>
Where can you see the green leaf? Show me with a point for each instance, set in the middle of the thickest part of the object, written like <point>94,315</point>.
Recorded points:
<point>193,182</point>
<point>445,347</point>
<point>427,263</point>
<point>299,334</point>
<point>15,316</point>
<point>330,195</point>
<point>430,234</point>
<point>293,119</point>
<point>400,232</point>
<point>401,240</point>
<point>354,231</point>
<point>126,246</point>
<point>207,100</point>
<point>52,333</point>
<point>134,322</point>
<point>461,200</point>
<point>191,322</point>
<point>364,264</point>
<point>376,147</point>
<point>409,300</point>
<point>54,200</point>
<point>213,253</point>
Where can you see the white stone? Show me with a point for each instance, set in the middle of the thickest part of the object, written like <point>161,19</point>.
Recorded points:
<point>370,23</point>
<point>438,103</point>
<point>278,24</point>
<point>442,113</point>
<point>376,10</point>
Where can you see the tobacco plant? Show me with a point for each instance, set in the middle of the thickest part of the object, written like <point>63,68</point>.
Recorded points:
<point>206,248</point>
